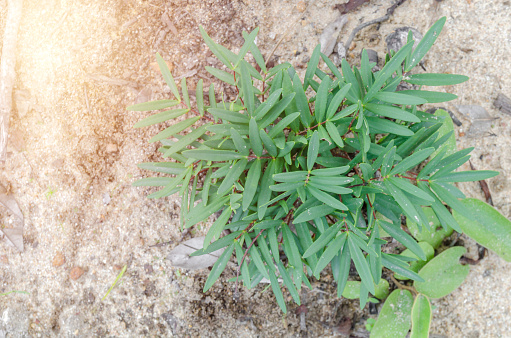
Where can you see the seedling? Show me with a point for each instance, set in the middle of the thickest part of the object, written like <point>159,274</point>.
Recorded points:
<point>315,173</point>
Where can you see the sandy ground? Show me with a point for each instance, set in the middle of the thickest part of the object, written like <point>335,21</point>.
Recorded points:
<point>74,153</point>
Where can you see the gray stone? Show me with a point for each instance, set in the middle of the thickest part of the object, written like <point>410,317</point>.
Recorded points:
<point>397,39</point>
<point>480,120</point>
<point>15,322</point>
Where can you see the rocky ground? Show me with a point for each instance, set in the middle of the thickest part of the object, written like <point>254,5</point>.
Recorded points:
<point>73,155</point>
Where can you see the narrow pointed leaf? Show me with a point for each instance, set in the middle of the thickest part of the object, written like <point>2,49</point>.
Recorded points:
<point>176,128</point>
<point>167,76</point>
<point>218,268</point>
<point>361,264</point>
<point>428,79</point>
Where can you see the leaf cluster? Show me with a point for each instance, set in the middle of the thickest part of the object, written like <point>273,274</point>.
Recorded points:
<point>306,174</point>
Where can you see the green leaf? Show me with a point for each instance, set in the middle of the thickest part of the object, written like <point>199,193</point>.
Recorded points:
<point>256,53</point>
<point>431,96</point>
<point>322,98</point>
<point>323,239</point>
<point>337,100</point>
<point>248,89</point>
<point>334,247</point>
<point>265,193</point>
<point>228,115</point>
<point>312,151</point>
<point>411,161</point>
<point>217,227</point>
<point>405,185</point>
<point>379,125</point>
<point>390,67</point>
<point>288,282</point>
<point>218,268</point>
<point>249,41</point>
<point>333,68</point>
<point>152,182</point>
<point>467,176</point>
<point>451,200</point>
<point>425,44</point>
<point>429,79</point>
<point>215,48</point>
<point>382,289</point>
<point>344,269</point>
<point>186,140</point>
<point>345,112</point>
<point>394,319</point>
<point>232,176</point>
<point>326,198</point>
<point>445,268</point>
<point>268,143</point>
<point>393,263</point>
<point>277,292</point>
<point>361,264</point>
<point>279,127</point>
<point>350,78</point>
<point>255,139</point>
<point>301,101</point>
<point>293,176</point>
<point>487,226</point>
<point>212,155</point>
<point>174,129</point>
<point>421,317</point>
<point>163,167</point>
<point>402,237</point>
<point>418,264</point>
<point>403,201</point>
<point>433,236</point>
<point>392,112</point>
<point>221,75</point>
<point>167,76</point>
<point>199,95</point>
<point>312,65</point>
<point>153,105</point>
<point>398,98</point>
<point>200,213</point>
<point>184,89</point>
<point>313,213</point>
<point>170,188</point>
<point>239,143</point>
<point>327,172</point>
<point>334,134</point>
<point>352,290</point>
<point>161,117</point>
<point>251,183</point>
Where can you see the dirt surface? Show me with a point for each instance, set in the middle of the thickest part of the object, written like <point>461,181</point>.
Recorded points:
<point>73,155</point>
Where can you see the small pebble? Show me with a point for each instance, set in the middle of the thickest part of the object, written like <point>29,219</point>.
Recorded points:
<point>148,268</point>
<point>301,6</point>
<point>76,273</point>
<point>111,148</point>
<point>58,260</point>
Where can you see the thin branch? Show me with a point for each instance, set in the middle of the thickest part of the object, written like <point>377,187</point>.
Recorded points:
<point>387,16</point>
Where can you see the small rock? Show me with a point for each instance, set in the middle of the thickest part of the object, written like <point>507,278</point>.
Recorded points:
<point>397,39</point>
<point>340,49</point>
<point>503,103</point>
<point>301,6</point>
<point>111,148</point>
<point>372,55</point>
<point>117,267</point>
<point>76,273</point>
<point>58,260</point>
<point>148,269</point>
<point>106,198</point>
<point>479,117</point>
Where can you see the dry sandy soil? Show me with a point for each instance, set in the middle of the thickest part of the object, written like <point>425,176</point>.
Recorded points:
<point>73,155</point>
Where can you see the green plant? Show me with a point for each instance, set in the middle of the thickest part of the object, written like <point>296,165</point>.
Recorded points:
<point>307,174</point>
